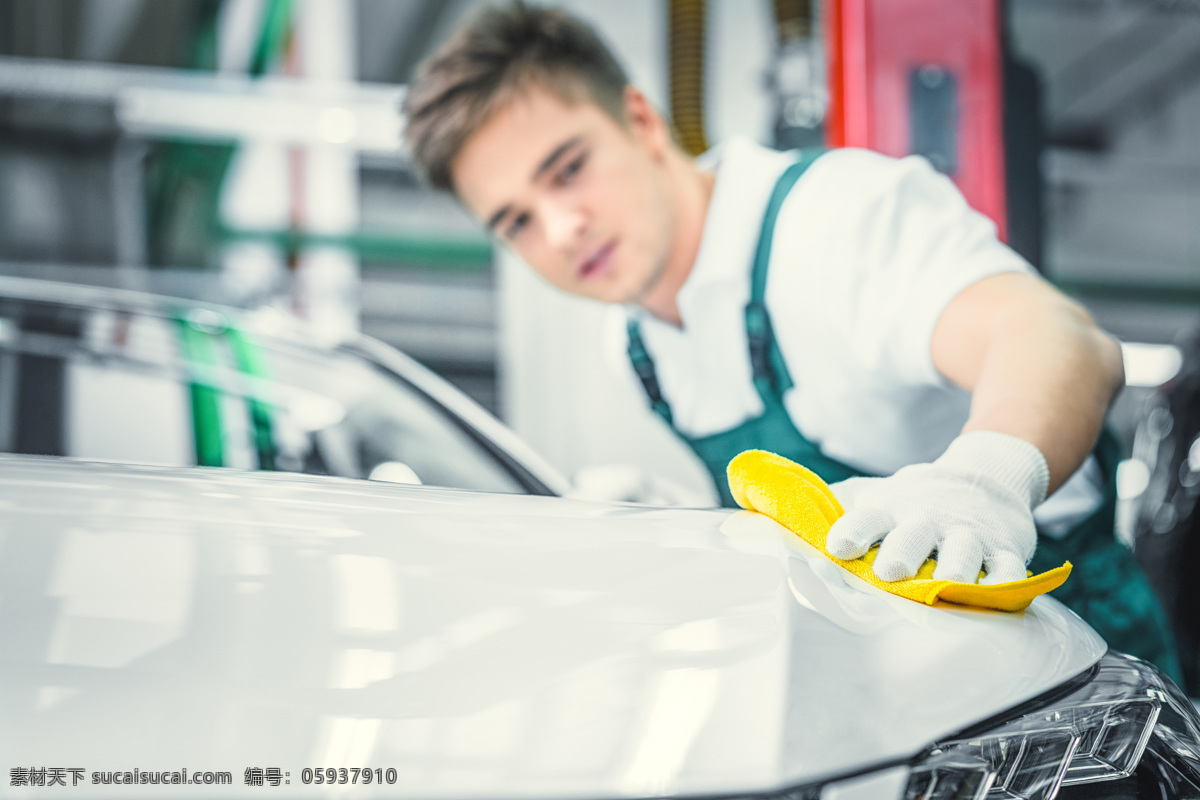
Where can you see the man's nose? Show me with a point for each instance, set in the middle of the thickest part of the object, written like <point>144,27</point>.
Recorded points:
<point>564,226</point>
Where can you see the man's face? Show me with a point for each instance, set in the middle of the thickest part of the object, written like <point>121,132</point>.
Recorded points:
<point>579,197</point>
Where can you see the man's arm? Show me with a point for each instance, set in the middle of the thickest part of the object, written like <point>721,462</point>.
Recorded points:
<point>1036,364</point>
<point>1042,376</point>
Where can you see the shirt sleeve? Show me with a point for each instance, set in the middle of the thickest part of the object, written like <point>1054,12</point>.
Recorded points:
<point>900,243</point>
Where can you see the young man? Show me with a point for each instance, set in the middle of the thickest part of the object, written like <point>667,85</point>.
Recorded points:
<point>848,311</point>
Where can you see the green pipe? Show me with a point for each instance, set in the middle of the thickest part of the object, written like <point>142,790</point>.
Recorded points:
<point>436,251</point>
<point>251,362</point>
<point>197,346</point>
<point>276,28</point>
<point>183,178</point>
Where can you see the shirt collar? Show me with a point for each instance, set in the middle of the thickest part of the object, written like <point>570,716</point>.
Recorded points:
<point>745,175</point>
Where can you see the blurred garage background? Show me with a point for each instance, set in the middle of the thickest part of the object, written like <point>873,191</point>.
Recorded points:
<point>248,152</point>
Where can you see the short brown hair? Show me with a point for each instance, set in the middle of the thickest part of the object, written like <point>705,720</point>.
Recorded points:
<point>499,52</point>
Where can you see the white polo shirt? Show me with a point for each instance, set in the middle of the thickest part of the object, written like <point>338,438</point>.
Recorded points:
<point>867,253</point>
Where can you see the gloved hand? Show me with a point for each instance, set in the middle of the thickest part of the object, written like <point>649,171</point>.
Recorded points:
<point>973,505</point>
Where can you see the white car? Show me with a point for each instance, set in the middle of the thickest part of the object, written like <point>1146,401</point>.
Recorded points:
<point>259,634</point>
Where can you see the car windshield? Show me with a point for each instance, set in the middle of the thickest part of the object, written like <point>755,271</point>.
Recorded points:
<point>194,389</point>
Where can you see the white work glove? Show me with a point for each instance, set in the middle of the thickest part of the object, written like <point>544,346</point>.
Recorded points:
<point>973,505</point>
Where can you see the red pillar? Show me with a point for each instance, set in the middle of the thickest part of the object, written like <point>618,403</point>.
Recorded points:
<point>922,76</point>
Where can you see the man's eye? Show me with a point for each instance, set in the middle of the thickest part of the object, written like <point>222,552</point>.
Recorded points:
<point>572,168</point>
<point>518,224</point>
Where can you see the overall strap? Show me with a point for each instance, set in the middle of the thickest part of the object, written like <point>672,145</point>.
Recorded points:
<point>771,376</point>
<point>643,365</point>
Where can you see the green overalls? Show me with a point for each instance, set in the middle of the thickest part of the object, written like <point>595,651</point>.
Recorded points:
<point>1106,587</point>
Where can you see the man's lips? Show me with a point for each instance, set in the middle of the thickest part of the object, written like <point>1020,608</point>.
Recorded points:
<point>599,261</point>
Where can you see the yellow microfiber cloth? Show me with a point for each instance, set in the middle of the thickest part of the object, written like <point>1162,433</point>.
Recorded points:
<point>799,500</point>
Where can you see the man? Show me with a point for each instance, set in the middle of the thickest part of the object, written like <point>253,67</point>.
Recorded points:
<point>848,311</point>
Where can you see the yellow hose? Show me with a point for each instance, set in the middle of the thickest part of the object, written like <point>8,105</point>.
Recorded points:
<point>793,19</point>
<point>686,31</point>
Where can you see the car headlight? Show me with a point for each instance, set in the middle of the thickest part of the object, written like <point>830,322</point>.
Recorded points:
<point>1098,729</point>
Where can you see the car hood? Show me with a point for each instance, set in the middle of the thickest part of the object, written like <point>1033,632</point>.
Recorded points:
<point>479,645</point>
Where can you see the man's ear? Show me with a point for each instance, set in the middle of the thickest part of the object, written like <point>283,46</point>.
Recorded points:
<point>644,121</point>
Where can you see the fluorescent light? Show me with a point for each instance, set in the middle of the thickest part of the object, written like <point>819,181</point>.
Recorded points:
<point>1150,364</point>
<point>369,124</point>
<point>337,125</point>
<point>219,107</point>
<point>1133,476</point>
